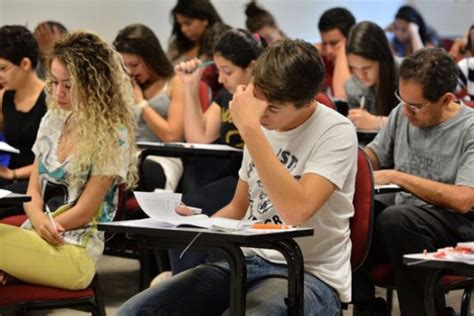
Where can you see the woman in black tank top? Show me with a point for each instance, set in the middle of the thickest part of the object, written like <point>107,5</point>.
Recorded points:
<point>22,104</point>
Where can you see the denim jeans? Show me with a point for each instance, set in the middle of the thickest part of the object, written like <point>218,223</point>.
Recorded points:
<point>204,290</point>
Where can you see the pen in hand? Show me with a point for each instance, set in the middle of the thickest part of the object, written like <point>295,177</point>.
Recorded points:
<point>201,65</point>
<point>206,63</point>
<point>362,102</point>
<point>50,216</point>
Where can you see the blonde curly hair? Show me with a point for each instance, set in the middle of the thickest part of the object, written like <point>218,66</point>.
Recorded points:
<point>101,104</point>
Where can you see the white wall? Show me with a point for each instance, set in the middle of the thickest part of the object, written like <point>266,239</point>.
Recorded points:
<point>298,18</point>
<point>448,17</point>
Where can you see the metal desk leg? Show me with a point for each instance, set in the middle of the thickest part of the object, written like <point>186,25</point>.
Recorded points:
<point>435,302</point>
<point>238,278</point>
<point>292,252</point>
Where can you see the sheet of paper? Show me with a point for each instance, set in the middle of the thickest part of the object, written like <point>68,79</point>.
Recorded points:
<point>161,206</point>
<point>8,148</point>
<point>4,193</point>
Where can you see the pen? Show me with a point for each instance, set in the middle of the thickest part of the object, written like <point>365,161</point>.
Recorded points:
<point>362,102</point>
<point>50,216</point>
<point>272,226</point>
<point>206,63</point>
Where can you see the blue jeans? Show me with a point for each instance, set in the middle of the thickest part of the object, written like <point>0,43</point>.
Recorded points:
<point>204,290</point>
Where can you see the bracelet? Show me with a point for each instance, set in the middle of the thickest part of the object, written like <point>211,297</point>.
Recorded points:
<point>15,177</point>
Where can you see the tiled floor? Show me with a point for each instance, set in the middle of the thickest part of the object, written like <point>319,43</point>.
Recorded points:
<point>119,281</point>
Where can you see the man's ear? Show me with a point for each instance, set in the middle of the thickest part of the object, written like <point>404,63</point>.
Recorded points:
<point>26,64</point>
<point>447,98</point>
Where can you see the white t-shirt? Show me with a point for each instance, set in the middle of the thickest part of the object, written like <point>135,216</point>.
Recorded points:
<point>326,144</point>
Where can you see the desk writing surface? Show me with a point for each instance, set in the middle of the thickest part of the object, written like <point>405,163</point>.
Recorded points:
<point>429,261</point>
<point>387,188</point>
<point>150,228</point>
<point>14,198</point>
<point>190,150</point>
<point>151,235</point>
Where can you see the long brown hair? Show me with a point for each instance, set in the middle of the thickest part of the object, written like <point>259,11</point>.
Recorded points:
<point>368,40</point>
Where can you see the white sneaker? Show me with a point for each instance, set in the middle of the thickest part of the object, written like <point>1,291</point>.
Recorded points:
<point>163,276</point>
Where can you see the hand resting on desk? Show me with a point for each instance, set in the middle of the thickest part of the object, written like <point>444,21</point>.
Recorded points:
<point>185,210</point>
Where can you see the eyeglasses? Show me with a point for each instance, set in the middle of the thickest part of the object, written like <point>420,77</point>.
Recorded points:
<point>4,69</point>
<point>413,107</point>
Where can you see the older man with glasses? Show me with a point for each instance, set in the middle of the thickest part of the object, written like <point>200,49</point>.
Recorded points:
<point>427,148</point>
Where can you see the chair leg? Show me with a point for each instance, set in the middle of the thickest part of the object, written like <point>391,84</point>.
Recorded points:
<point>390,299</point>
<point>148,267</point>
<point>99,306</point>
<point>466,302</point>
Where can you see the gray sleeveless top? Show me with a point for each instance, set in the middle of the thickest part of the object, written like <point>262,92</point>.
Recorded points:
<point>160,102</point>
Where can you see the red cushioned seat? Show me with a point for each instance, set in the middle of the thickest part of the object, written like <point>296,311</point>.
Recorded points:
<point>23,297</point>
<point>16,220</point>
<point>14,293</point>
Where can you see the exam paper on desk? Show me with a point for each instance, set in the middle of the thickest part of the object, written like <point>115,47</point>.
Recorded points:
<point>161,206</point>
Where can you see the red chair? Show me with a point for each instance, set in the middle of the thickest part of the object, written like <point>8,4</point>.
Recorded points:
<point>15,220</point>
<point>23,297</point>
<point>382,275</point>
<point>469,103</point>
<point>323,98</point>
<point>446,43</point>
<point>204,95</point>
<point>362,221</point>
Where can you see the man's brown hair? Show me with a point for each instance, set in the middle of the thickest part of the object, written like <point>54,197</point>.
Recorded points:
<point>289,71</point>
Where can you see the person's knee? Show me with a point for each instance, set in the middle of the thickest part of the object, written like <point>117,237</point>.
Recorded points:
<point>267,297</point>
<point>392,218</point>
<point>148,302</point>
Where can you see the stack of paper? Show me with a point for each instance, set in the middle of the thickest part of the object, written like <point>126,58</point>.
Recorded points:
<point>161,206</point>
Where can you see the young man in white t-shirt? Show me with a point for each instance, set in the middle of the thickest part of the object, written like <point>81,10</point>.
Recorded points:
<point>298,168</point>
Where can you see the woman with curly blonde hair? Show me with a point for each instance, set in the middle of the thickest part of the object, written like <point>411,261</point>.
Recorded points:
<point>85,150</point>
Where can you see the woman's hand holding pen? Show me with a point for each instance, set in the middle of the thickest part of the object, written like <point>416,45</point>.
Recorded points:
<point>48,230</point>
<point>190,72</point>
<point>363,120</point>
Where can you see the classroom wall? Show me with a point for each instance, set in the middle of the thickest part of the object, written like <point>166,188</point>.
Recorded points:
<point>298,18</point>
<point>448,17</point>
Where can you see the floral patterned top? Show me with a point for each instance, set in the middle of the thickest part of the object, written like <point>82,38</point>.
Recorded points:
<point>55,172</point>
